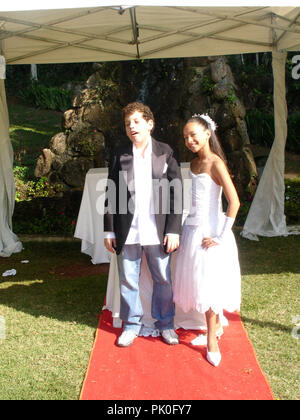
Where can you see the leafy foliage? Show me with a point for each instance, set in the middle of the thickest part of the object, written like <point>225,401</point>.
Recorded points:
<point>47,224</point>
<point>28,189</point>
<point>41,96</point>
<point>260,125</point>
<point>291,204</point>
<point>293,139</point>
<point>292,200</point>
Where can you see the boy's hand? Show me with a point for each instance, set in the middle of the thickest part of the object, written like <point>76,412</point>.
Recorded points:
<point>110,244</point>
<point>171,243</point>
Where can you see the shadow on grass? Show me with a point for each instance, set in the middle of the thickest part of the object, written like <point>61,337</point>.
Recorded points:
<point>269,255</point>
<point>266,324</point>
<point>39,291</point>
<point>74,300</point>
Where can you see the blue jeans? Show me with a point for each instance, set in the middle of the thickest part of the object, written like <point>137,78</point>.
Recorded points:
<point>129,265</point>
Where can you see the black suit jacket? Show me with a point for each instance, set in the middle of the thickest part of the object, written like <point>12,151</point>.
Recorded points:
<point>167,189</point>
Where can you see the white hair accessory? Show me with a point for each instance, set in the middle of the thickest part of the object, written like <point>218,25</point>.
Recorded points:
<point>206,117</point>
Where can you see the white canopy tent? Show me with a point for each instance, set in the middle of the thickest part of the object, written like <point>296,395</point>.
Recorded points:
<point>93,30</point>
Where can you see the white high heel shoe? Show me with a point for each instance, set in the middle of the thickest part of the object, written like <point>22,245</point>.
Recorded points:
<point>214,357</point>
<point>201,340</point>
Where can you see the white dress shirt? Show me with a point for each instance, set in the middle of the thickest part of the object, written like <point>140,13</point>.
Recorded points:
<point>143,229</point>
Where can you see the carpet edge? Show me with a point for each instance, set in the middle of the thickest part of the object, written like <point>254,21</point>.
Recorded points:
<point>256,358</point>
<point>90,359</point>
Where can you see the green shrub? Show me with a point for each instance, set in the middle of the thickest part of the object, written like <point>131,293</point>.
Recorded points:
<point>46,225</point>
<point>292,200</point>
<point>261,131</point>
<point>27,189</point>
<point>243,211</point>
<point>260,127</point>
<point>39,95</point>
<point>293,139</point>
<point>291,204</point>
<point>207,85</point>
<point>21,173</point>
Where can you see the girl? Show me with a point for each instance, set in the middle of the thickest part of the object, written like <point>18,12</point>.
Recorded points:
<point>207,274</point>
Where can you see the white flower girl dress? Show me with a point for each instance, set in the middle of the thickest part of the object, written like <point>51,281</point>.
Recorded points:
<point>206,278</point>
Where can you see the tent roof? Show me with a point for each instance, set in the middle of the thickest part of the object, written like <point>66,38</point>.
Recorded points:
<point>126,30</point>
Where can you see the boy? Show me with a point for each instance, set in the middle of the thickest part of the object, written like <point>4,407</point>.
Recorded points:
<point>150,223</point>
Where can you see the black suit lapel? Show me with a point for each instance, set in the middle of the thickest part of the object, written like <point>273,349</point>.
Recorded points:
<point>158,160</point>
<point>126,163</point>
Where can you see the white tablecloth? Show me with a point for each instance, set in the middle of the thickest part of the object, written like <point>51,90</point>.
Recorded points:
<point>89,229</point>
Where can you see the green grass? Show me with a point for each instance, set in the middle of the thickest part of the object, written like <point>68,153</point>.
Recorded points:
<point>50,323</point>
<point>270,293</point>
<point>51,319</point>
<point>31,130</point>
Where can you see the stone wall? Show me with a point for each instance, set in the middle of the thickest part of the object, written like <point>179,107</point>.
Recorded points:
<point>92,128</point>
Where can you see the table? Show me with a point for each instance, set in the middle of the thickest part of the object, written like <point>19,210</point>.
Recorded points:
<point>89,229</point>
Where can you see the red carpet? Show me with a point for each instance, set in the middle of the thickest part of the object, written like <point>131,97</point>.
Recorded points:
<point>153,370</point>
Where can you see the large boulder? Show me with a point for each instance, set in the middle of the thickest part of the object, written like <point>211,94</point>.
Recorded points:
<point>78,148</point>
<point>74,171</point>
<point>214,91</point>
<point>58,144</point>
<point>174,90</point>
<point>44,163</point>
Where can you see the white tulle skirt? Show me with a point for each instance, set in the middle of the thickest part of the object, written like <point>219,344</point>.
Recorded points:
<point>206,279</point>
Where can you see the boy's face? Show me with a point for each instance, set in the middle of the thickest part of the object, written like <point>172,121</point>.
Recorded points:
<point>138,129</point>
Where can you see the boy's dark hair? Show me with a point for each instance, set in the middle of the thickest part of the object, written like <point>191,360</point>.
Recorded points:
<point>139,107</point>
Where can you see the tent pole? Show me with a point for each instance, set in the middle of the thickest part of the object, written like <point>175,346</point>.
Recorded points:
<point>135,31</point>
<point>9,242</point>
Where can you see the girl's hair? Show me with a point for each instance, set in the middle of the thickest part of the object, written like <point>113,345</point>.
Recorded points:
<point>214,142</point>
<point>139,107</point>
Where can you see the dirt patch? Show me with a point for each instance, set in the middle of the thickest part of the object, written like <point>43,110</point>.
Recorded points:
<point>82,270</point>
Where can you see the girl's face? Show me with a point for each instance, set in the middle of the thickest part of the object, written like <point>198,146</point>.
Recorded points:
<point>196,136</point>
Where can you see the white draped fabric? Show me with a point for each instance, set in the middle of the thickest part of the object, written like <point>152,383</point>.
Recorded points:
<point>9,243</point>
<point>266,215</point>
<point>89,227</point>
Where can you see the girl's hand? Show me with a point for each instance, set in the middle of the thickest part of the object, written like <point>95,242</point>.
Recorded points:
<point>208,242</point>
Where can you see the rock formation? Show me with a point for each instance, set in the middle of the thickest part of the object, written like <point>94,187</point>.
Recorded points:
<point>93,128</point>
